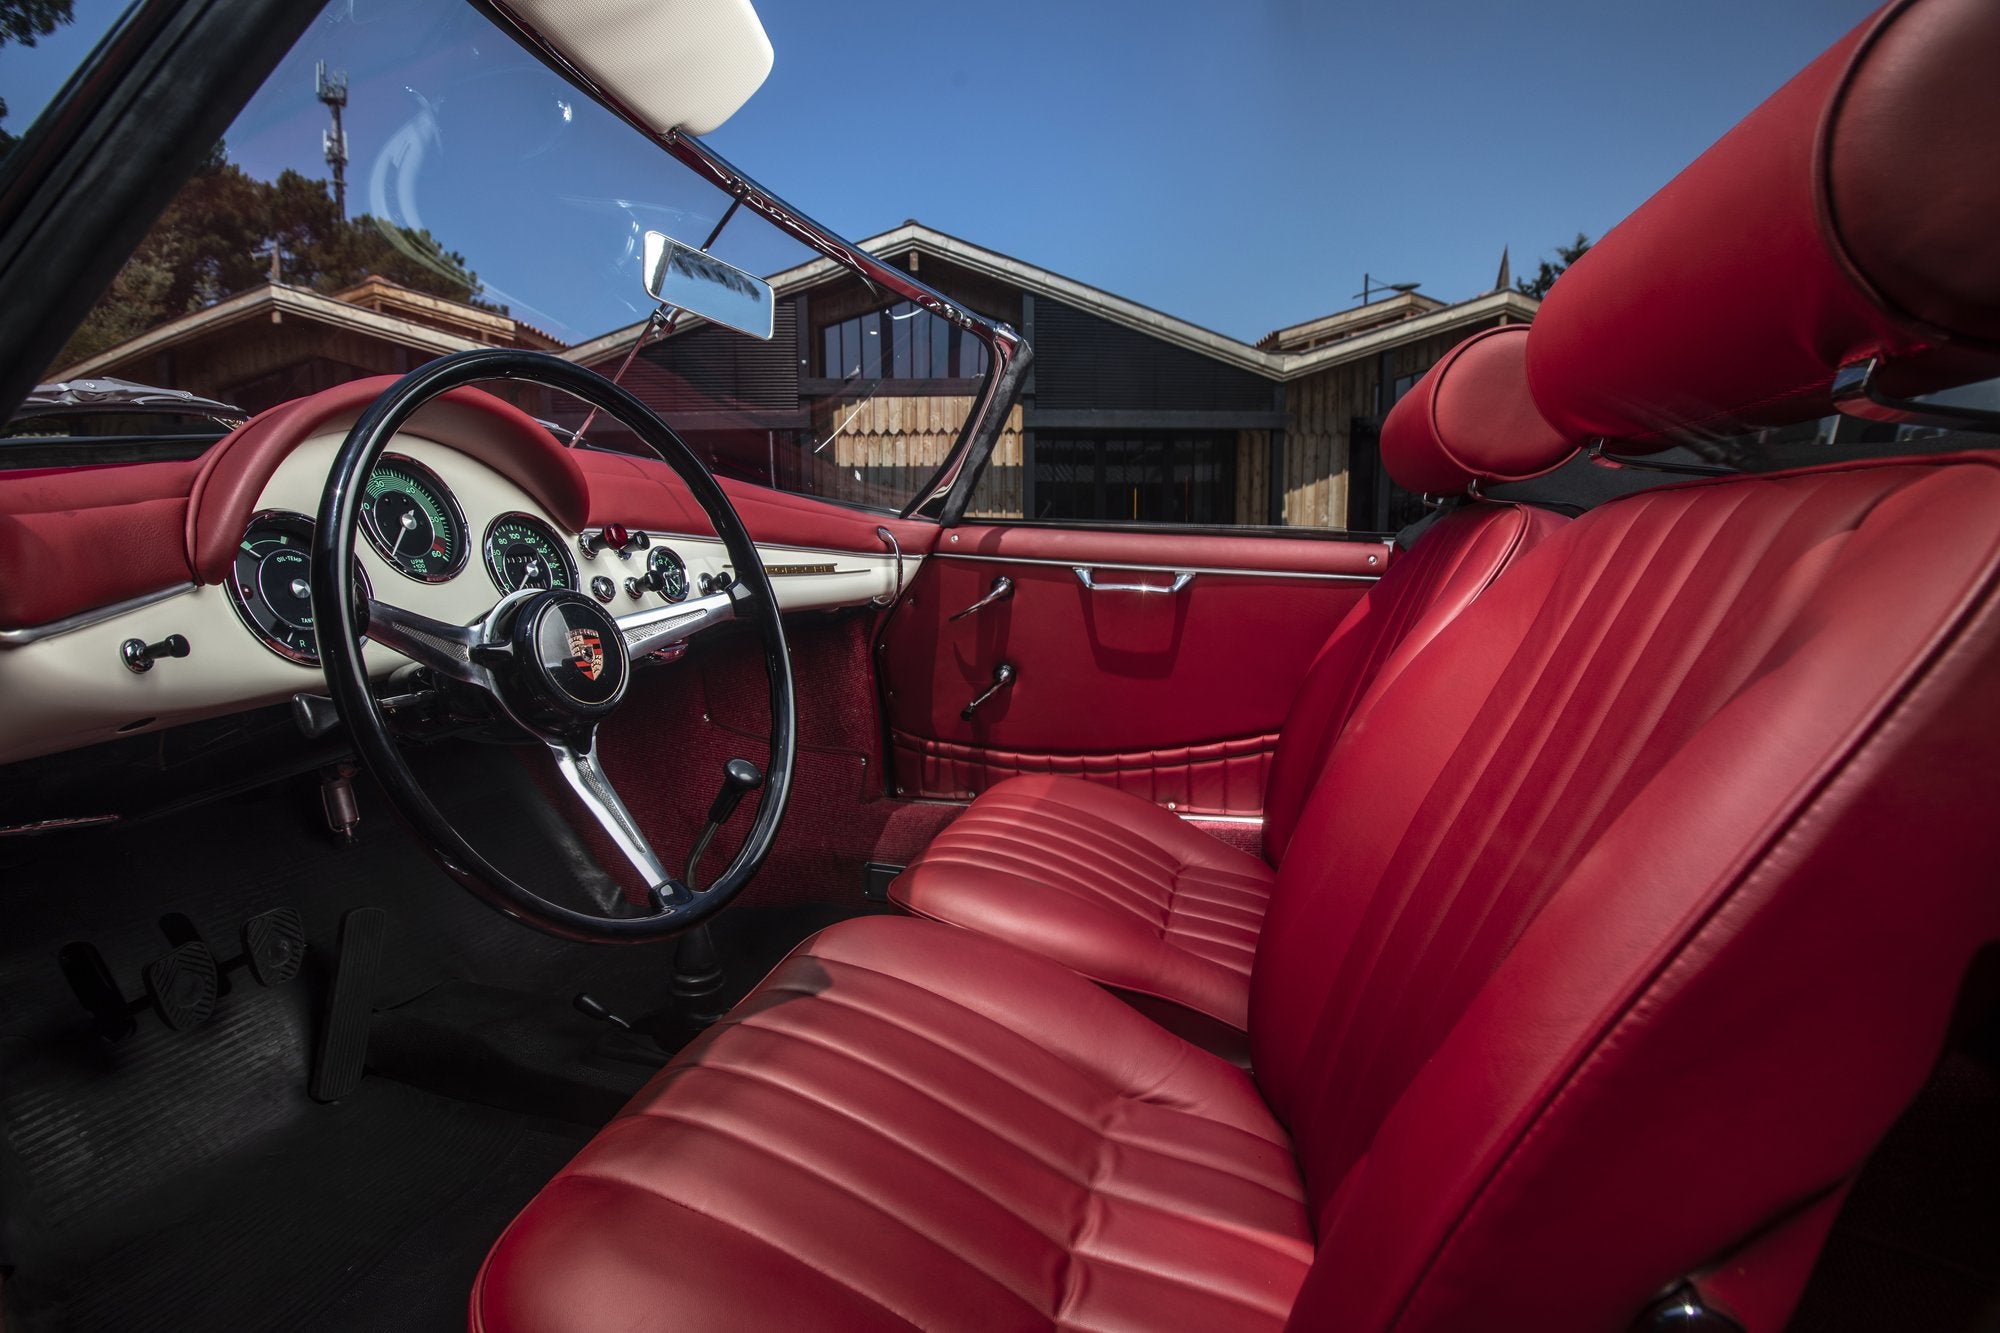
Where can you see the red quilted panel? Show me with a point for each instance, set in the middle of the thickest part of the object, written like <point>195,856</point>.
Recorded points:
<point>1223,778</point>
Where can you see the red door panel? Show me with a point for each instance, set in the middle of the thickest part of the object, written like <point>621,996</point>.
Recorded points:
<point>1176,697</point>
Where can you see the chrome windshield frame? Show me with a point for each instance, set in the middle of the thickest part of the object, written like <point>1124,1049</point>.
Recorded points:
<point>1009,352</point>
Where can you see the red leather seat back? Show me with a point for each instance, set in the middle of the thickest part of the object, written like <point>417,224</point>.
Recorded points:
<point>1629,915</point>
<point>1468,420</point>
<point>1425,587</point>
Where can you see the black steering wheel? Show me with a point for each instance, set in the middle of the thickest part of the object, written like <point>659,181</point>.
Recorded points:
<point>554,662</point>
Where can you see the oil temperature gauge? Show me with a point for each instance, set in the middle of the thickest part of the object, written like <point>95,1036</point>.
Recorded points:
<point>524,552</point>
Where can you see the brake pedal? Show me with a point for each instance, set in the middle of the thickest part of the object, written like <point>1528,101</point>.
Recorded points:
<point>343,1039</point>
<point>182,986</point>
<point>274,945</point>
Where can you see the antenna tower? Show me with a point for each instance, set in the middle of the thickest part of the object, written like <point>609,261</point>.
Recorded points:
<point>332,90</point>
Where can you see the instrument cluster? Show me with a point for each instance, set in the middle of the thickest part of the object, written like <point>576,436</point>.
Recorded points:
<point>416,524</point>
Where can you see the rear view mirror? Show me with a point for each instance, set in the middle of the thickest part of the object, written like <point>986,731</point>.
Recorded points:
<point>701,284</point>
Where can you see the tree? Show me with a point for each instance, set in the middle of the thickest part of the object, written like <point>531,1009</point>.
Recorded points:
<point>1538,286</point>
<point>23,21</point>
<point>215,239</point>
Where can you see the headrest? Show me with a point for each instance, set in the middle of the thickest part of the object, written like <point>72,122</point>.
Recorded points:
<point>1470,419</point>
<point>1850,217</point>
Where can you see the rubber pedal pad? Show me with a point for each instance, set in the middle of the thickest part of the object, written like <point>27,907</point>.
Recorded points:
<point>182,985</point>
<point>274,943</point>
<point>343,1040</point>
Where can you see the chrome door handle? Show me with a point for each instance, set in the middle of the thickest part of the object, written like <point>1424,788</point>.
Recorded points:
<point>1003,588</point>
<point>1181,580</point>
<point>1003,676</point>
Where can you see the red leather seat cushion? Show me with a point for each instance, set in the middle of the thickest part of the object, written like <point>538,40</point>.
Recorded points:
<point>1118,888</point>
<point>907,1125</point>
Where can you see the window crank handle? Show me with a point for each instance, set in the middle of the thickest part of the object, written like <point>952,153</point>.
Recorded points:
<point>1003,676</point>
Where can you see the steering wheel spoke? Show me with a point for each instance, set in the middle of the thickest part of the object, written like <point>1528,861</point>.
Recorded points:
<point>445,649</point>
<point>660,627</point>
<point>586,778</point>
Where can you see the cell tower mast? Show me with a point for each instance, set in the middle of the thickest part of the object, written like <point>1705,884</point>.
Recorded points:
<point>332,90</point>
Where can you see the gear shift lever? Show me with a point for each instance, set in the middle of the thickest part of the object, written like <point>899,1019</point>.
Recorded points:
<point>739,776</point>
<point>697,970</point>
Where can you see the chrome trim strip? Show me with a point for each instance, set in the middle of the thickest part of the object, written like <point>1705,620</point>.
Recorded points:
<point>656,536</point>
<point>1237,821</point>
<point>1159,569</point>
<point>21,638</point>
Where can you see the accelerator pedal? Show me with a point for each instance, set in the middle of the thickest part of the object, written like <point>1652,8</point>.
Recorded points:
<point>182,985</point>
<point>343,1038</point>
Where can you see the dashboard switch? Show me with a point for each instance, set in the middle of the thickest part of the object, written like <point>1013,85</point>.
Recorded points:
<point>139,656</point>
<point>603,589</point>
<point>610,537</point>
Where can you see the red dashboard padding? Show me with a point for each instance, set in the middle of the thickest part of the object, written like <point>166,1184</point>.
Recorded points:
<point>1851,216</point>
<point>74,540</point>
<point>646,493</point>
<point>235,472</point>
<point>1471,418</point>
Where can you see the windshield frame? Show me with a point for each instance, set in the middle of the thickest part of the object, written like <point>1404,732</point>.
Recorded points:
<point>942,497</point>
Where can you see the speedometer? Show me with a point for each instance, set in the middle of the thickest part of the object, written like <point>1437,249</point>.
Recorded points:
<point>524,552</point>
<point>412,519</point>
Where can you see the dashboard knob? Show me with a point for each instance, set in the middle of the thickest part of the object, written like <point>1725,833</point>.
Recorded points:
<point>610,537</point>
<point>139,656</point>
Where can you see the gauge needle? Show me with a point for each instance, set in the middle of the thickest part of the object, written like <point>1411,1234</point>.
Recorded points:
<point>409,525</point>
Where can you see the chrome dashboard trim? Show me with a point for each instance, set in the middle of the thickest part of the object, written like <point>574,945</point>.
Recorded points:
<point>21,638</point>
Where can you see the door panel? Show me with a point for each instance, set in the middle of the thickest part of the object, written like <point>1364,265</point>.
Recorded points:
<point>1174,696</point>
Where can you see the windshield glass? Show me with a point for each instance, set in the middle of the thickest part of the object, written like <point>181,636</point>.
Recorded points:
<point>410,182</point>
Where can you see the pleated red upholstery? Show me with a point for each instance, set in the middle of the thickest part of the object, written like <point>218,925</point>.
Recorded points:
<point>1618,929</point>
<point>1130,895</point>
<point>1113,886</point>
<point>907,1126</point>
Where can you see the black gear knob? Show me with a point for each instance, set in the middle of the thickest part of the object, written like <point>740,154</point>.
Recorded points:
<point>739,776</point>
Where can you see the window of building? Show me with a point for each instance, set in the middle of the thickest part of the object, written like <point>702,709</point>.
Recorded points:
<point>903,342</point>
<point>1133,478</point>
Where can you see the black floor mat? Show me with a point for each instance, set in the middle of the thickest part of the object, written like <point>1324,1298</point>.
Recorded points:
<point>371,1213</point>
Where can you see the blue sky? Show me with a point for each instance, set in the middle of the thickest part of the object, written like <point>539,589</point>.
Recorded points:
<point>1236,164</point>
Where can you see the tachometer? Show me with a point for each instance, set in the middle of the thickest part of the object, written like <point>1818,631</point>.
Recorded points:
<point>412,519</point>
<point>524,552</point>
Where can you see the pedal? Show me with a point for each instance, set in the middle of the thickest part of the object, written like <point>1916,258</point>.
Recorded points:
<point>182,986</point>
<point>343,1040</point>
<point>274,945</point>
<point>97,990</point>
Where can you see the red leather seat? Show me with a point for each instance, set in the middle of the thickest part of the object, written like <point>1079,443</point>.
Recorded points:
<point>1127,892</point>
<point>1618,928</point>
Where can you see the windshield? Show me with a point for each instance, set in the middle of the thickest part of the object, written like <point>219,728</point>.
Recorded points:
<point>410,182</point>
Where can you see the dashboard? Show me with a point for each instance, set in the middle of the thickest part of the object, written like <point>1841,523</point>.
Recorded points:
<point>450,525</point>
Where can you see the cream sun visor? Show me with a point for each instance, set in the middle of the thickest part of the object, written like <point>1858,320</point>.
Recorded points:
<point>676,64</point>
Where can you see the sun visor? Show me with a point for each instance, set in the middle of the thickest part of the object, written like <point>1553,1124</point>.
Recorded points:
<point>674,64</point>
<point>1850,217</point>
<point>1469,419</point>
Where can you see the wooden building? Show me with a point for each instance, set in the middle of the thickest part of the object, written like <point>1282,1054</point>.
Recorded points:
<point>277,342</point>
<point>1128,414</point>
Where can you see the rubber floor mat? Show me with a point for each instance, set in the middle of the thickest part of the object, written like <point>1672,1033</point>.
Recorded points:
<point>371,1213</point>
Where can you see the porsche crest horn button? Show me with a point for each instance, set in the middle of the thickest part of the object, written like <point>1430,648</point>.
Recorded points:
<point>572,652</point>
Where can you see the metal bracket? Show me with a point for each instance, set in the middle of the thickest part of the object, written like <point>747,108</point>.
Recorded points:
<point>1857,394</point>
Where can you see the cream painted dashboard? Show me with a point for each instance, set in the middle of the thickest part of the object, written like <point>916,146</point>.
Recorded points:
<point>70,687</point>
